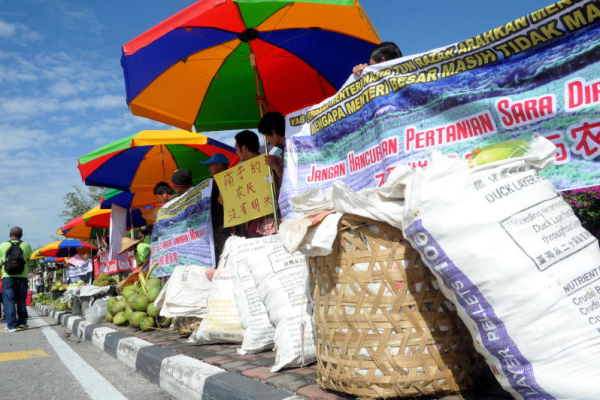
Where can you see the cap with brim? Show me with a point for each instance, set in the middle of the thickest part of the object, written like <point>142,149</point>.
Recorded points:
<point>216,158</point>
<point>126,243</point>
<point>182,177</point>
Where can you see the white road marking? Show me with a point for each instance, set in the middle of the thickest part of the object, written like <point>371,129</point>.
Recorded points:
<point>94,384</point>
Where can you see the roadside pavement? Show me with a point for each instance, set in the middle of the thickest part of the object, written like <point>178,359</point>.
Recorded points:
<point>215,371</point>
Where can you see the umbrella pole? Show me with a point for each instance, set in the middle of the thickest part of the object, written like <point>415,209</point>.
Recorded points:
<point>260,107</point>
<point>131,220</point>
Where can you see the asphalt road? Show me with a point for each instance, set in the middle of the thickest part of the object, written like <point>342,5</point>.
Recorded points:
<point>45,362</point>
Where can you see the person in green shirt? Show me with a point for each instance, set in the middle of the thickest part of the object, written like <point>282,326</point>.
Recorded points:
<point>142,251</point>
<point>14,279</point>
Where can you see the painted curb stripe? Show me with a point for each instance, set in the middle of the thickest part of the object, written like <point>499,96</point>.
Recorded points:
<point>111,342</point>
<point>149,361</point>
<point>183,377</point>
<point>229,385</point>
<point>177,374</point>
<point>88,334</point>
<point>99,336</point>
<point>128,349</point>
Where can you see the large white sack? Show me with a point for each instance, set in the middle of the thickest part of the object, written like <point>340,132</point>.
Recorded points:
<point>260,332</point>
<point>222,321</point>
<point>185,294</point>
<point>523,273</point>
<point>282,282</point>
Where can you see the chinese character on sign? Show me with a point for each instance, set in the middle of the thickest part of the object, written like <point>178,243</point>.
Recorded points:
<point>587,139</point>
<point>255,205</point>
<point>250,188</point>
<point>241,172</point>
<point>228,179</point>
<point>255,167</point>
<point>240,192</point>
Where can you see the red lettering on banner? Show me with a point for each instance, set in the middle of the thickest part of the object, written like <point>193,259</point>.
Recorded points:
<point>457,131</point>
<point>181,239</point>
<point>326,173</point>
<point>523,112</point>
<point>373,155</point>
<point>382,177</point>
<point>580,94</point>
<point>587,138</point>
<point>196,234</point>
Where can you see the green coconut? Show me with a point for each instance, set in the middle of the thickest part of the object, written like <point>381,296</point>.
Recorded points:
<point>109,317</point>
<point>147,323</point>
<point>163,322</point>
<point>129,291</point>
<point>120,319</point>
<point>152,310</point>
<point>153,282</point>
<point>118,306</point>
<point>139,302</point>
<point>136,318</point>
<point>128,311</point>
<point>153,292</point>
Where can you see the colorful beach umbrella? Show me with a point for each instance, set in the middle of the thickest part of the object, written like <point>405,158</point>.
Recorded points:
<point>205,65</point>
<point>77,229</point>
<point>99,218</point>
<point>64,248</point>
<point>138,162</point>
<point>127,199</point>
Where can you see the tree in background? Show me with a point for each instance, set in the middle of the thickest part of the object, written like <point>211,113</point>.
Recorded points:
<point>80,201</point>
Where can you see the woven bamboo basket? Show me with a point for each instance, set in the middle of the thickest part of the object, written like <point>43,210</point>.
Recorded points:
<point>383,328</point>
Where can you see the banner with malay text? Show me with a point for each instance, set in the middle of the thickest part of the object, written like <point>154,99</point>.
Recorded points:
<point>183,232</point>
<point>106,265</point>
<point>537,75</point>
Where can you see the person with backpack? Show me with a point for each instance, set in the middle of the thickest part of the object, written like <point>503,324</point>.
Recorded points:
<point>14,258</point>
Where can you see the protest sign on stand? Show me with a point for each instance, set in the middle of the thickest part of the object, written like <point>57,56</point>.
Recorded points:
<point>183,234</point>
<point>535,76</point>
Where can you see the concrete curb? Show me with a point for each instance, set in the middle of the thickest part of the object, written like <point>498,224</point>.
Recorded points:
<point>181,376</point>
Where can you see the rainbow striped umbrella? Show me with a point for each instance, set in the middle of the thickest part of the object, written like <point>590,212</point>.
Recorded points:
<point>205,65</point>
<point>127,199</point>
<point>77,229</point>
<point>99,218</point>
<point>138,162</point>
<point>64,248</point>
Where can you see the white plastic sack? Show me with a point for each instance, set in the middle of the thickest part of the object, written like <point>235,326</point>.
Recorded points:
<point>300,234</point>
<point>259,335</point>
<point>282,282</point>
<point>523,273</point>
<point>96,313</point>
<point>222,321</point>
<point>185,294</point>
<point>381,204</point>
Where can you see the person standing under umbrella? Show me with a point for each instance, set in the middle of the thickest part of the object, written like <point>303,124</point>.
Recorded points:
<point>163,192</point>
<point>14,256</point>
<point>217,163</point>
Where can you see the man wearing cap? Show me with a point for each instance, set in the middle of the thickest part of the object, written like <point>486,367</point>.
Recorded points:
<point>142,251</point>
<point>217,163</point>
<point>182,180</point>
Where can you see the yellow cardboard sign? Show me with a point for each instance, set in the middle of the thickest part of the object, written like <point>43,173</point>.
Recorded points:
<point>246,191</point>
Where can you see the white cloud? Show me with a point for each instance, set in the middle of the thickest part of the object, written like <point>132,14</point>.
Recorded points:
<point>7,30</point>
<point>18,138</point>
<point>18,33</point>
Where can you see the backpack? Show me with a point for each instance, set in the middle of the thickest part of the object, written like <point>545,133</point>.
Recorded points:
<point>14,263</point>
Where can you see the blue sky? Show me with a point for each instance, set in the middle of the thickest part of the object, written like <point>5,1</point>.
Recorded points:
<point>62,92</point>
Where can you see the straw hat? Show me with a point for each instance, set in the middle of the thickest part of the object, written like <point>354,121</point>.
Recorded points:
<point>126,243</point>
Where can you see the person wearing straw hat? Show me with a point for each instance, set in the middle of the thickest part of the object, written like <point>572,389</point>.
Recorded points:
<point>141,251</point>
